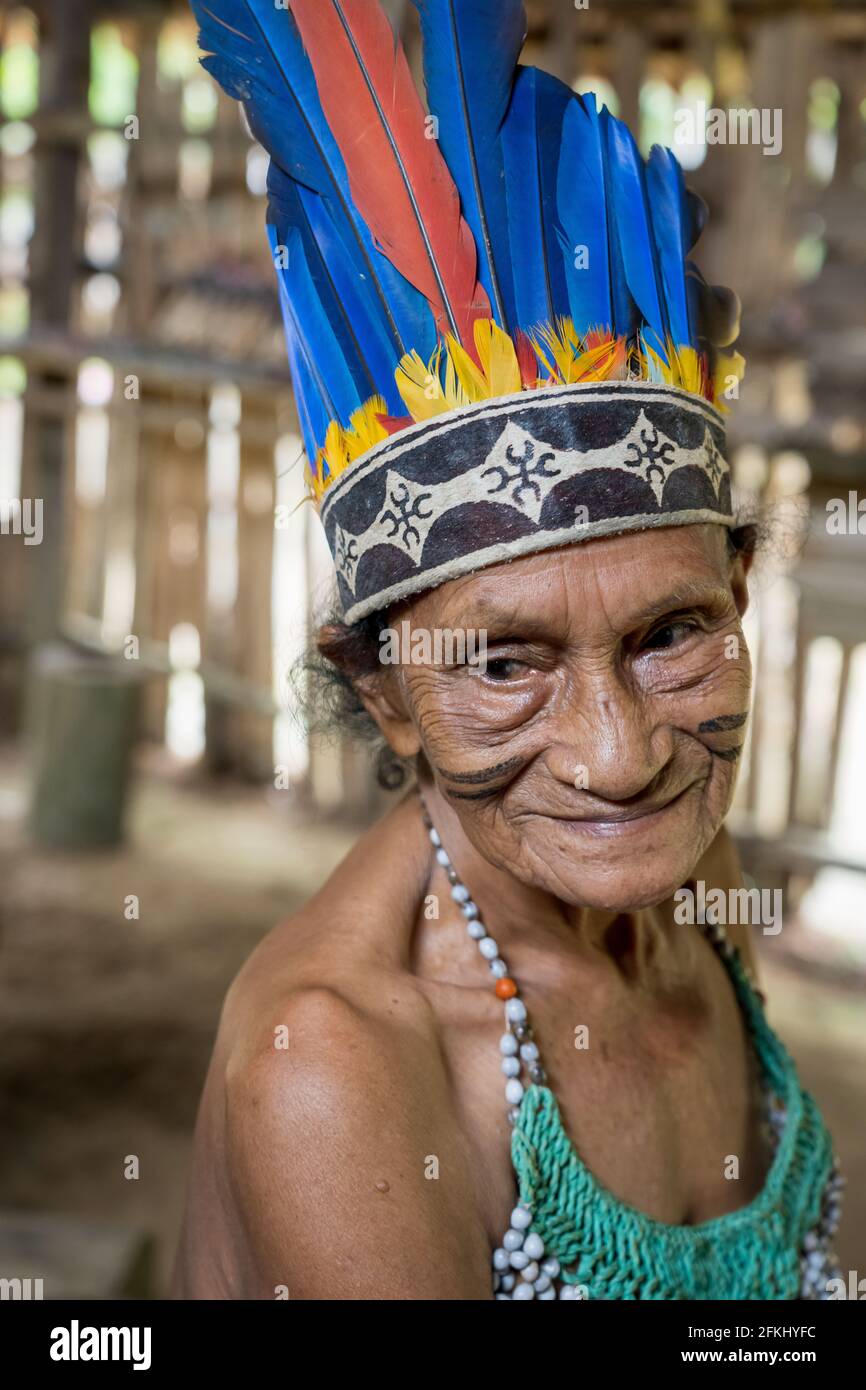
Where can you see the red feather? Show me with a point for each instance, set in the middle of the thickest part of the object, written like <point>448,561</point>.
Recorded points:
<point>399,181</point>
<point>526,359</point>
<point>394,423</point>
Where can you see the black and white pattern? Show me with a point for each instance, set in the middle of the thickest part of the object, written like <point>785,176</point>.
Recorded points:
<point>505,478</point>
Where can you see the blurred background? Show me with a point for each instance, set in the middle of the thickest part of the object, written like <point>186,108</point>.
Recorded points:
<point>161,807</point>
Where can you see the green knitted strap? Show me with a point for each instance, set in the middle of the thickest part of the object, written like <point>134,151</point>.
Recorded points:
<point>617,1252</point>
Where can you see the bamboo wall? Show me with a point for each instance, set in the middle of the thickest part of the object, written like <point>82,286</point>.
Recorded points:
<point>184,312</point>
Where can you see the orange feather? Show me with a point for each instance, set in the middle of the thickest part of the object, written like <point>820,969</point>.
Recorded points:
<point>399,181</point>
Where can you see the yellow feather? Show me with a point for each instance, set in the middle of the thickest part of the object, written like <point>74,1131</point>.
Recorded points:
<point>365,431</point>
<point>335,450</point>
<point>468,373</point>
<point>418,384</point>
<point>560,350</point>
<point>596,364</point>
<point>732,364</point>
<point>498,358</point>
<point>663,371</point>
<point>569,335</point>
<point>688,368</point>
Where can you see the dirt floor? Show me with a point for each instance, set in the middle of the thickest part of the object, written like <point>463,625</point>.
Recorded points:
<point>106,1023</point>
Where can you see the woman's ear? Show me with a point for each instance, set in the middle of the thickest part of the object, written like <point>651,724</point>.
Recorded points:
<point>739,580</point>
<point>384,699</point>
<point>377,684</point>
<point>741,564</point>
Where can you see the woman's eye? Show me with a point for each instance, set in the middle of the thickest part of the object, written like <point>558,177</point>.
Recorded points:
<point>669,636</point>
<point>502,668</point>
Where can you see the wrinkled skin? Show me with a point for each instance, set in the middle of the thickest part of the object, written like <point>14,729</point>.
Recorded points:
<point>607,657</point>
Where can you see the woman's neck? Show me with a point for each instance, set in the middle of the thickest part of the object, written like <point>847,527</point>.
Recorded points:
<point>532,924</point>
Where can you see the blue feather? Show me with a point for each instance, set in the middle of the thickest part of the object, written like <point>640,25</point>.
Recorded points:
<point>582,211</point>
<point>531,142</point>
<point>341,292</point>
<point>471,49</point>
<point>315,407</point>
<point>632,230</point>
<point>672,229</point>
<point>313,415</point>
<point>325,352</point>
<point>258,57</point>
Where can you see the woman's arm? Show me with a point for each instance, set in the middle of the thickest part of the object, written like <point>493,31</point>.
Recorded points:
<point>349,1171</point>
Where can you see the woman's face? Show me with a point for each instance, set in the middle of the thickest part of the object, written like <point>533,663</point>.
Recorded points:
<point>595,756</point>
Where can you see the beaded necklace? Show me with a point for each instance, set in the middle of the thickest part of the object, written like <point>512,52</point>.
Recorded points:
<point>569,1238</point>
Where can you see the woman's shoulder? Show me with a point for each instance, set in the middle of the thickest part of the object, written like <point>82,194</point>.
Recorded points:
<point>341,962</point>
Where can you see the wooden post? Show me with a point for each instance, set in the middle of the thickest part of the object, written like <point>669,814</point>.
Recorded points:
<point>560,55</point>
<point>172,533</point>
<point>64,75</point>
<point>850,73</point>
<point>252,734</point>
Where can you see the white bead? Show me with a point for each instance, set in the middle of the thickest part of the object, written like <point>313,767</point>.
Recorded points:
<point>512,1240</point>
<point>519,1260</point>
<point>508,1048</point>
<point>469,909</point>
<point>515,1010</point>
<point>498,969</point>
<point>459,893</point>
<point>521,1218</point>
<point>508,1281</point>
<point>488,948</point>
<point>503,1298</point>
<point>534,1246</point>
<point>524,1291</point>
<point>434,837</point>
<point>567,1293</point>
<point>514,1092</point>
<point>529,1051</point>
<point>542,1284</point>
<point>542,1297</point>
<point>442,858</point>
<point>510,1066</point>
<point>530,1272</point>
<point>501,1259</point>
<point>550,1266</point>
<point>476,931</point>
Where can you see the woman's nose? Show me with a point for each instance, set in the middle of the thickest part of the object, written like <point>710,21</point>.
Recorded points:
<point>609,744</point>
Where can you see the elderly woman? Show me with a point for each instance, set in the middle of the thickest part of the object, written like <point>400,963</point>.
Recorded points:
<point>501,1053</point>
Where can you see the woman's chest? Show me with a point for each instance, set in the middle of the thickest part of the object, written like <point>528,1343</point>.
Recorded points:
<point>659,1095</point>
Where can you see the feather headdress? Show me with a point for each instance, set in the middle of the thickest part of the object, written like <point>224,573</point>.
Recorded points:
<point>496,338</point>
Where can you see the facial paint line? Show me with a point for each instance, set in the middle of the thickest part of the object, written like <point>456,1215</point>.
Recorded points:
<point>475,796</point>
<point>728,755</point>
<point>722,723</point>
<point>487,774</point>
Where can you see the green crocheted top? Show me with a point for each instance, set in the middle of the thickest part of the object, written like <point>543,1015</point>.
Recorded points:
<point>617,1252</point>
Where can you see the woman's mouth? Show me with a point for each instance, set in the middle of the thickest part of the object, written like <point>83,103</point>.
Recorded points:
<point>631,820</point>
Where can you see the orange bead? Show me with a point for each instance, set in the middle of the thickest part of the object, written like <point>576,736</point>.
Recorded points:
<point>506,988</point>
